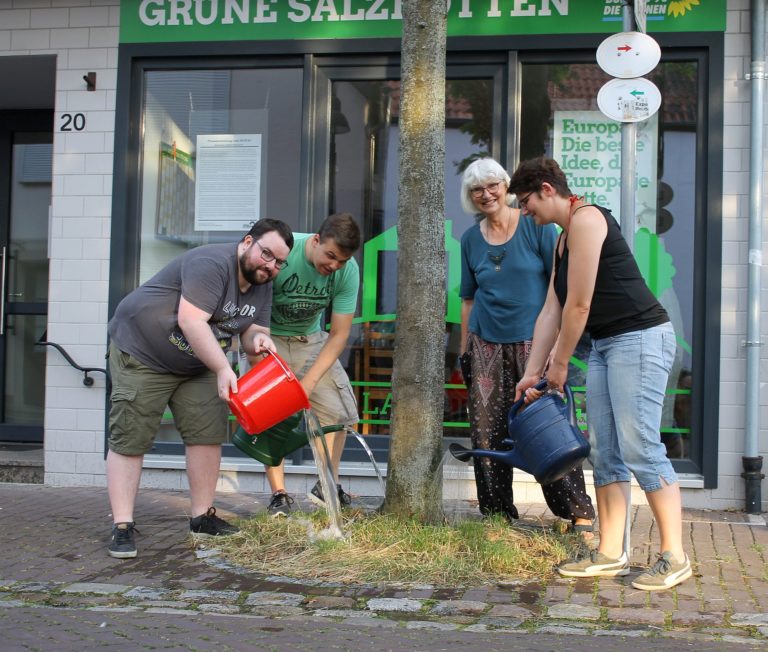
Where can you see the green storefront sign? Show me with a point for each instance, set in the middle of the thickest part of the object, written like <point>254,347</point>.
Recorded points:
<point>162,21</point>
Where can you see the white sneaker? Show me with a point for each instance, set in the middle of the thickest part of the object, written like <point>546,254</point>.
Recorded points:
<point>664,574</point>
<point>597,565</point>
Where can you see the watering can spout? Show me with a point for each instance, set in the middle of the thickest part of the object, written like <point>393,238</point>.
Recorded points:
<point>508,457</point>
<point>544,439</point>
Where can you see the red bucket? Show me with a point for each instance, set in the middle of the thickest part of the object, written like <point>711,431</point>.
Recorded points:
<point>267,394</point>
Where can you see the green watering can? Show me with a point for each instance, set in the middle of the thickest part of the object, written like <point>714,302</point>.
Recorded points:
<point>275,443</point>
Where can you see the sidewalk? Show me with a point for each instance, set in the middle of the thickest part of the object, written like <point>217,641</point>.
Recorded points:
<point>53,543</point>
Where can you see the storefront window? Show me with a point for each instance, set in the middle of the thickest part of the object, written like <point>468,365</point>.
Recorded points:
<point>560,118</point>
<point>364,168</point>
<point>220,149</point>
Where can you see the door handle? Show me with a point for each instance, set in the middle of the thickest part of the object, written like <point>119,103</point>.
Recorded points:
<point>2,292</point>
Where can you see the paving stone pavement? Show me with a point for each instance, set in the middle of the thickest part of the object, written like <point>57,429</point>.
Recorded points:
<point>53,543</point>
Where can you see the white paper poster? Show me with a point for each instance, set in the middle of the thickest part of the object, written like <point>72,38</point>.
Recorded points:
<point>587,145</point>
<point>227,182</point>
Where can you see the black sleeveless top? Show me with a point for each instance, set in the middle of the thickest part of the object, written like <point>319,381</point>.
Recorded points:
<point>622,302</point>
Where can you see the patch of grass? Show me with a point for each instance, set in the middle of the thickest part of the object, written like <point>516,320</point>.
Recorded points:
<point>381,548</point>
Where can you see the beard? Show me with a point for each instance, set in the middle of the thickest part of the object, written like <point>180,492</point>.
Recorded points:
<point>250,272</point>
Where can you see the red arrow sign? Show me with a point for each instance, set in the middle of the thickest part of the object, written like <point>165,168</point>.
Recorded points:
<point>625,48</point>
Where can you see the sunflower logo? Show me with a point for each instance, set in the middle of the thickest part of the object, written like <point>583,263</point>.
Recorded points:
<point>679,7</point>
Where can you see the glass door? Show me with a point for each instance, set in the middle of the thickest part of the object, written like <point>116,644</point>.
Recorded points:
<point>25,196</point>
<point>358,111</point>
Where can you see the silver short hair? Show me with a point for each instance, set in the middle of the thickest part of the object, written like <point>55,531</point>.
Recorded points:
<point>481,172</point>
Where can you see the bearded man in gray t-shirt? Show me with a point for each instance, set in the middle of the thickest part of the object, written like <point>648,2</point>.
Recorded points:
<point>169,339</point>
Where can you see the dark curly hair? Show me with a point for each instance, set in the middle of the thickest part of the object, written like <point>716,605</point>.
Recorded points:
<point>265,225</point>
<point>532,173</point>
<point>342,228</point>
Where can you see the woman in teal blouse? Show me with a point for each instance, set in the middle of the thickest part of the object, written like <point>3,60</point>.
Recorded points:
<point>506,261</point>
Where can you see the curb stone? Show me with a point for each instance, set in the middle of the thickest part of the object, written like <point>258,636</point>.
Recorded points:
<point>449,615</point>
<point>725,601</point>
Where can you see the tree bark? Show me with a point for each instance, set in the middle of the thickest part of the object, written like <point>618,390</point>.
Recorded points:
<point>414,477</point>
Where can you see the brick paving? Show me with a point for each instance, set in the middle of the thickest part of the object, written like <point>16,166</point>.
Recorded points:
<point>53,543</point>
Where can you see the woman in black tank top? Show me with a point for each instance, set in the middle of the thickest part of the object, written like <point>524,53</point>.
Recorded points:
<point>597,287</point>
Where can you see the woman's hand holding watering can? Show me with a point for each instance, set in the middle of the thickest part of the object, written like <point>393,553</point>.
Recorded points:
<point>557,375</point>
<point>526,388</point>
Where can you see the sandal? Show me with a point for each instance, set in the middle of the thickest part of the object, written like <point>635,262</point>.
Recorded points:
<point>586,531</point>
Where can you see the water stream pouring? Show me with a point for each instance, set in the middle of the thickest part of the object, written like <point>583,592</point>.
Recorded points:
<point>282,439</point>
<point>269,404</point>
<point>369,452</point>
<point>327,484</point>
<point>544,439</point>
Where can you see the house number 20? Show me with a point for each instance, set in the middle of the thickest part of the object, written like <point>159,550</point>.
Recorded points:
<point>72,122</point>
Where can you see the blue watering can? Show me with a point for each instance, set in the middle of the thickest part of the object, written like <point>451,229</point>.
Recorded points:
<point>544,439</point>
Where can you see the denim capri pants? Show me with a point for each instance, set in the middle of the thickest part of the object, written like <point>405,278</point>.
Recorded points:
<point>626,383</point>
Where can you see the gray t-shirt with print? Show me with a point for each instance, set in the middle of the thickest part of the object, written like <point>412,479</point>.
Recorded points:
<point>145,324</point>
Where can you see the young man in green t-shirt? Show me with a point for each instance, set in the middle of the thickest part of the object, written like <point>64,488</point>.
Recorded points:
<point>320,272</point>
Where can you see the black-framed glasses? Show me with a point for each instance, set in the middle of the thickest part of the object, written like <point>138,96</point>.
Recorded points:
<point>492,188</point>
<point>268,257</point>
<point>523,201</point>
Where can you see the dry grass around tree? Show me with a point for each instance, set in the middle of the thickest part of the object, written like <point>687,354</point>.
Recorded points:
<point>380,548</point>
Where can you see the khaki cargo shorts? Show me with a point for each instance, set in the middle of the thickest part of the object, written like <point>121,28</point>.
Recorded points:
<point>139,398</point>
<point>332,401</point>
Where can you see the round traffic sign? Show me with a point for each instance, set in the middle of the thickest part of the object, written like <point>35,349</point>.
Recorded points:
<point>628,54</point>
<point>629,100</point>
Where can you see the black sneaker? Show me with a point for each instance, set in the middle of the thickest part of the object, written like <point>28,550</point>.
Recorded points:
<point>210,525</point>
<point>280,505</point>
<point>122,545</point>
<point>316,496</point>
<point>345,500</point>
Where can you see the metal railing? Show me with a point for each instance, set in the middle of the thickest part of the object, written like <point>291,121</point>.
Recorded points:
<point>87,380</point>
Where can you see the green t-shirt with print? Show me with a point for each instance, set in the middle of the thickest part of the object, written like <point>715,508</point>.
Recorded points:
<point>300,294</point>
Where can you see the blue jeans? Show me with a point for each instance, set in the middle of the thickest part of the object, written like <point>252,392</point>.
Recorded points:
<point>626,382</point>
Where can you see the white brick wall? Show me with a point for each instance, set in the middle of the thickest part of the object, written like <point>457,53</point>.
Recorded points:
<point>737,136</point>
<point>83,35</point>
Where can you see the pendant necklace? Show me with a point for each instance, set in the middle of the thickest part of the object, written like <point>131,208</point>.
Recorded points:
<point>496,258</point>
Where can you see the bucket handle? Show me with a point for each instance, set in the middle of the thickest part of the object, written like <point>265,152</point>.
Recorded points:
<point>542,384</point>
<point>288,373</point>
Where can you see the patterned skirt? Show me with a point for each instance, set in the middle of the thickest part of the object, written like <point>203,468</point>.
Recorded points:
<point>496,370</point>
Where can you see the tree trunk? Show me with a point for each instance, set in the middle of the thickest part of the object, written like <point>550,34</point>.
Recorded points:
<point>414,482</point>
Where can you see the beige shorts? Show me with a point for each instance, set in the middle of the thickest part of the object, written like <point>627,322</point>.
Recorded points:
<point>139,398</point>
<point>333,401</point>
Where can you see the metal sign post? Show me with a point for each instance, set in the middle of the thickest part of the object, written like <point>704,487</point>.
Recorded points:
<point>628,174</point>
<point>629,99</point>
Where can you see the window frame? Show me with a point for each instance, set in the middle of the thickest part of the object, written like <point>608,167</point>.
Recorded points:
<point>708,51</point>
<point>512,51</point>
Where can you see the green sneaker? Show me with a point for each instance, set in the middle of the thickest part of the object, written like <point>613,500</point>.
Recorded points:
<point>596,565</point>
<point>664,574</point>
